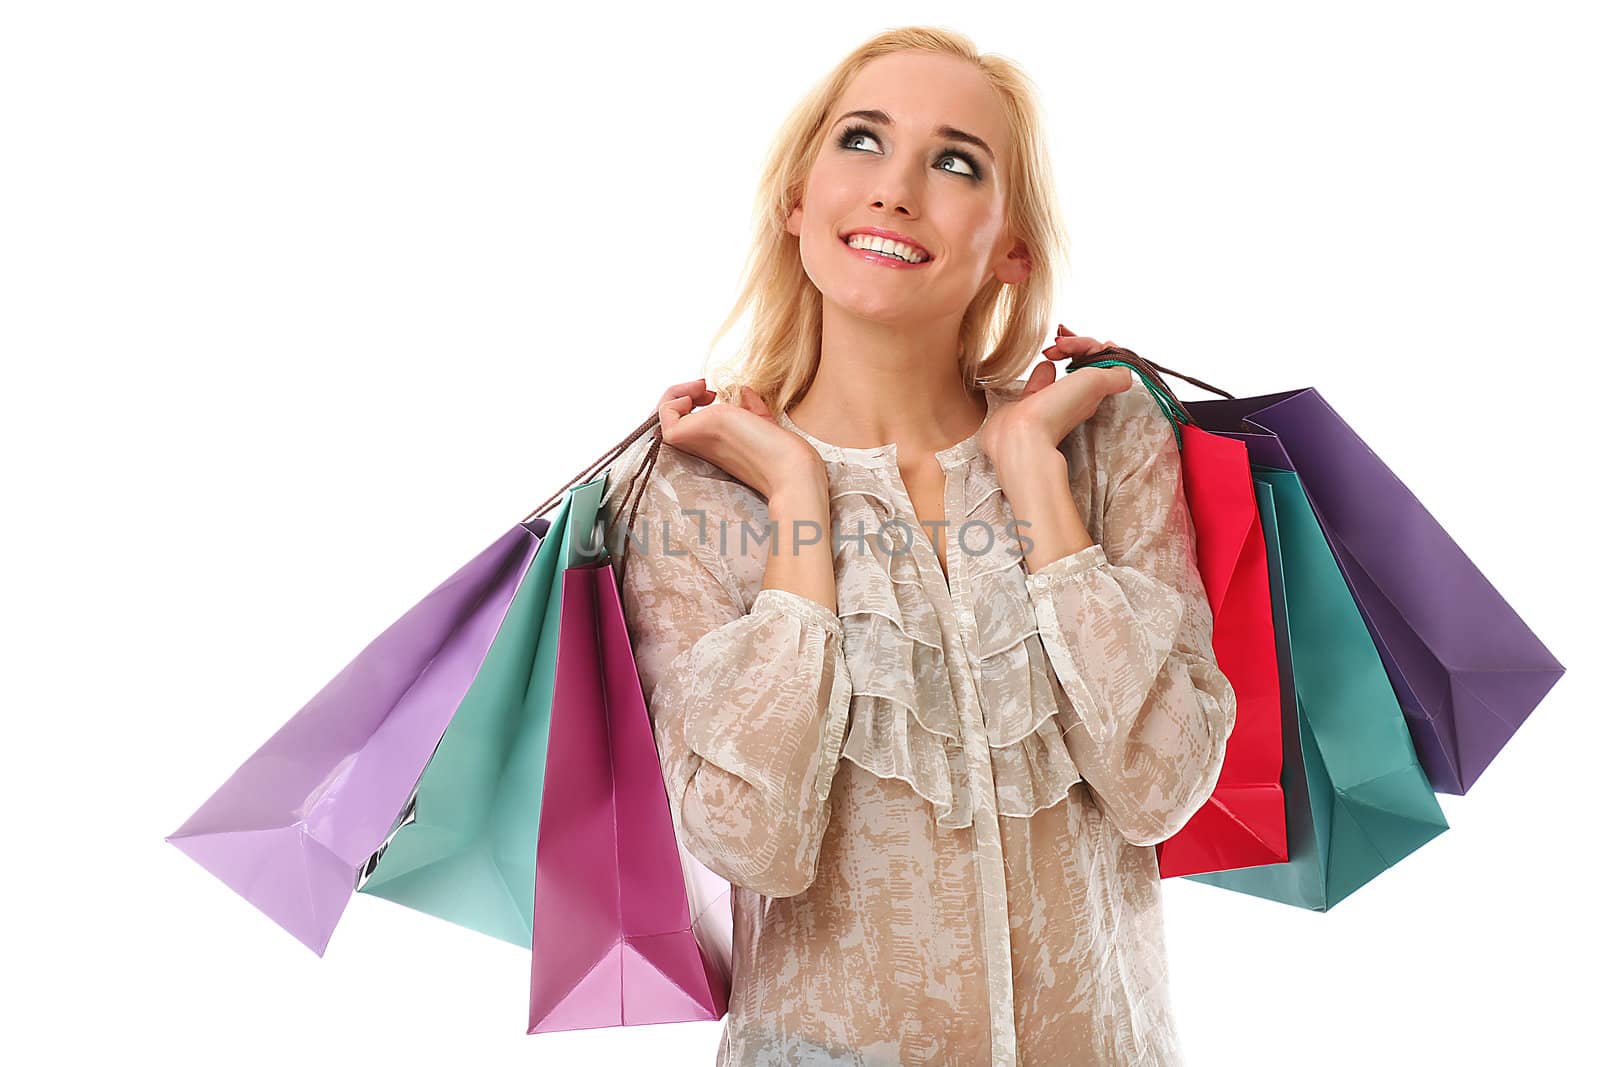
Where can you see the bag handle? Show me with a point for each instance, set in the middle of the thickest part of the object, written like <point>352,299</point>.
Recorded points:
<point>1149,373</point>
<point>653,423</point>
<point>1178,374</point>
<point>651,426</point>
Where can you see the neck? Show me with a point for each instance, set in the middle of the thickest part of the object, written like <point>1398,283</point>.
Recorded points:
<point>884,384</point>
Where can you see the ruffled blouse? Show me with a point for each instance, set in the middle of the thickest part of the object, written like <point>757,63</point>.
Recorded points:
<point>936,806</point>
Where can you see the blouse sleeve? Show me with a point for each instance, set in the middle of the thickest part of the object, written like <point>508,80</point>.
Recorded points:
<point>749,708</point>
<point>1128,630</point>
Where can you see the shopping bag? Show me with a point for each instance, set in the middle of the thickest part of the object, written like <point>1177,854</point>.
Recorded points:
<point>1242,823</point>
<point>615,942</point>
<point>1358,800</point>
<point>465,848</point>
<point>1465,667</point>
<point>291,829</point>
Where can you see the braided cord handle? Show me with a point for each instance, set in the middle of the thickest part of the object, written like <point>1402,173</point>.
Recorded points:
<point>651,426</point>
<point>1150,373</point>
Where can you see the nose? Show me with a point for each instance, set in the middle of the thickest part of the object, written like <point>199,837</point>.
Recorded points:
<point>899,208</point>
<point>897,190</point>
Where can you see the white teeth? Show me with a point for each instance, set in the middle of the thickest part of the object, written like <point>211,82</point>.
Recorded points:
<point>881,244</point>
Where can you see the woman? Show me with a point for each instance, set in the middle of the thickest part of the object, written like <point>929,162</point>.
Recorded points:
<point>926,651</point>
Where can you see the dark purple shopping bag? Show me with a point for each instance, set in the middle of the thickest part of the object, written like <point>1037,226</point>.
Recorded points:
<point>1466,669</point>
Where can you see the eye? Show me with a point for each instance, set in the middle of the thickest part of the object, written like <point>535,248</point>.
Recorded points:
<point>973,170</point>
<point>968,160</point>
<point>852,133</point>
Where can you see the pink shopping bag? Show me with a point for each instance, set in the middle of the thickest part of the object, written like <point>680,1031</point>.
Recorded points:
<point>628,928</point>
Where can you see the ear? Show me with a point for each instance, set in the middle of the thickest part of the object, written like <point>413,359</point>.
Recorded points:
<point>793,223</point>
<point>1017,265</point>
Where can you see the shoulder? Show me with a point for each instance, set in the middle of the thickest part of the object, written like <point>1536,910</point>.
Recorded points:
<point>1127,431</point>
<point>672,478</point>
<point>671,483</point>
<point>1135,417</point>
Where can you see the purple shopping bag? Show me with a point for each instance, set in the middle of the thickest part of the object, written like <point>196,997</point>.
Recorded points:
<point>1466,669</point>
<point>292,828</point>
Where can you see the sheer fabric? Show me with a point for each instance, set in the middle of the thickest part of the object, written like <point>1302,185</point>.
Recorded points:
<point>936,805</point>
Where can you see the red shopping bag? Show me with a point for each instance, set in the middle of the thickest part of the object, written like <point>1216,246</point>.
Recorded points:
<point>1243,823</point>
<point>628,929</point>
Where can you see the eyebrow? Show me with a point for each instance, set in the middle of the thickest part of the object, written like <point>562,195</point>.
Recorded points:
<point>882,118</point>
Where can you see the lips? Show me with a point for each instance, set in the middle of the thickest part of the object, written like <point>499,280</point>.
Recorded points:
<point>889,235</point>
<point>884,259</point>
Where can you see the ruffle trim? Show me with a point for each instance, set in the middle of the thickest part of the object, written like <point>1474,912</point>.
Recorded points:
<point>904,720</point>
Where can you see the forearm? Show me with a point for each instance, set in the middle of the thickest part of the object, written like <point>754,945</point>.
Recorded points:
<point>1127,629</point>
<point>1035,483</point>
<point>800,553</point>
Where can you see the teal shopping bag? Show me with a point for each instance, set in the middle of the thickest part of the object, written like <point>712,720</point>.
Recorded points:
<point>1358,801</point>
<point>465,846</point>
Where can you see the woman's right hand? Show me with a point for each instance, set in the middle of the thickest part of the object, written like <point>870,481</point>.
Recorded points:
<point>742,437</point>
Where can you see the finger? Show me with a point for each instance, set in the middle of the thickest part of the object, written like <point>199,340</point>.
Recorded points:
<point>751,400</point>
<point>1062,331</point>
<point>681,389</point>
<point>1072,346</point>
<point>696,389</point>
<point>670,411</point>
<point>1043,374</point>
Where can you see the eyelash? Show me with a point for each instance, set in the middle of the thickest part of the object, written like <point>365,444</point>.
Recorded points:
<point>863,131</point>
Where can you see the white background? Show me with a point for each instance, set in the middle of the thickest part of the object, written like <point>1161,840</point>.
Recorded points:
<point>305,303</point>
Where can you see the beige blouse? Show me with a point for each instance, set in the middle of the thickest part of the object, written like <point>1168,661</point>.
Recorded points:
<point>937,806</point>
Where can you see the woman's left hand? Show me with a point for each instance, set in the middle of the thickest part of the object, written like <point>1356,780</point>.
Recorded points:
<point>1016,434</point>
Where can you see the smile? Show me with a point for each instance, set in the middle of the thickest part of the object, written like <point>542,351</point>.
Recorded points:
<point>885,253</point>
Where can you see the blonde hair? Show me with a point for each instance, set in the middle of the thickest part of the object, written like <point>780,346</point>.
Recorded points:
<point>1001,332</point>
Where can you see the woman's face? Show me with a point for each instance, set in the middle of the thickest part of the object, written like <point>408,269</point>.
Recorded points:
<point>924,164</point>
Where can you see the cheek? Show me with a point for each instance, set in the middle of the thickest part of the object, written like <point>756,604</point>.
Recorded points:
<point>828,208</point>
<point>975,233</point>
<point>829,199</point>
<point>977,229</point>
